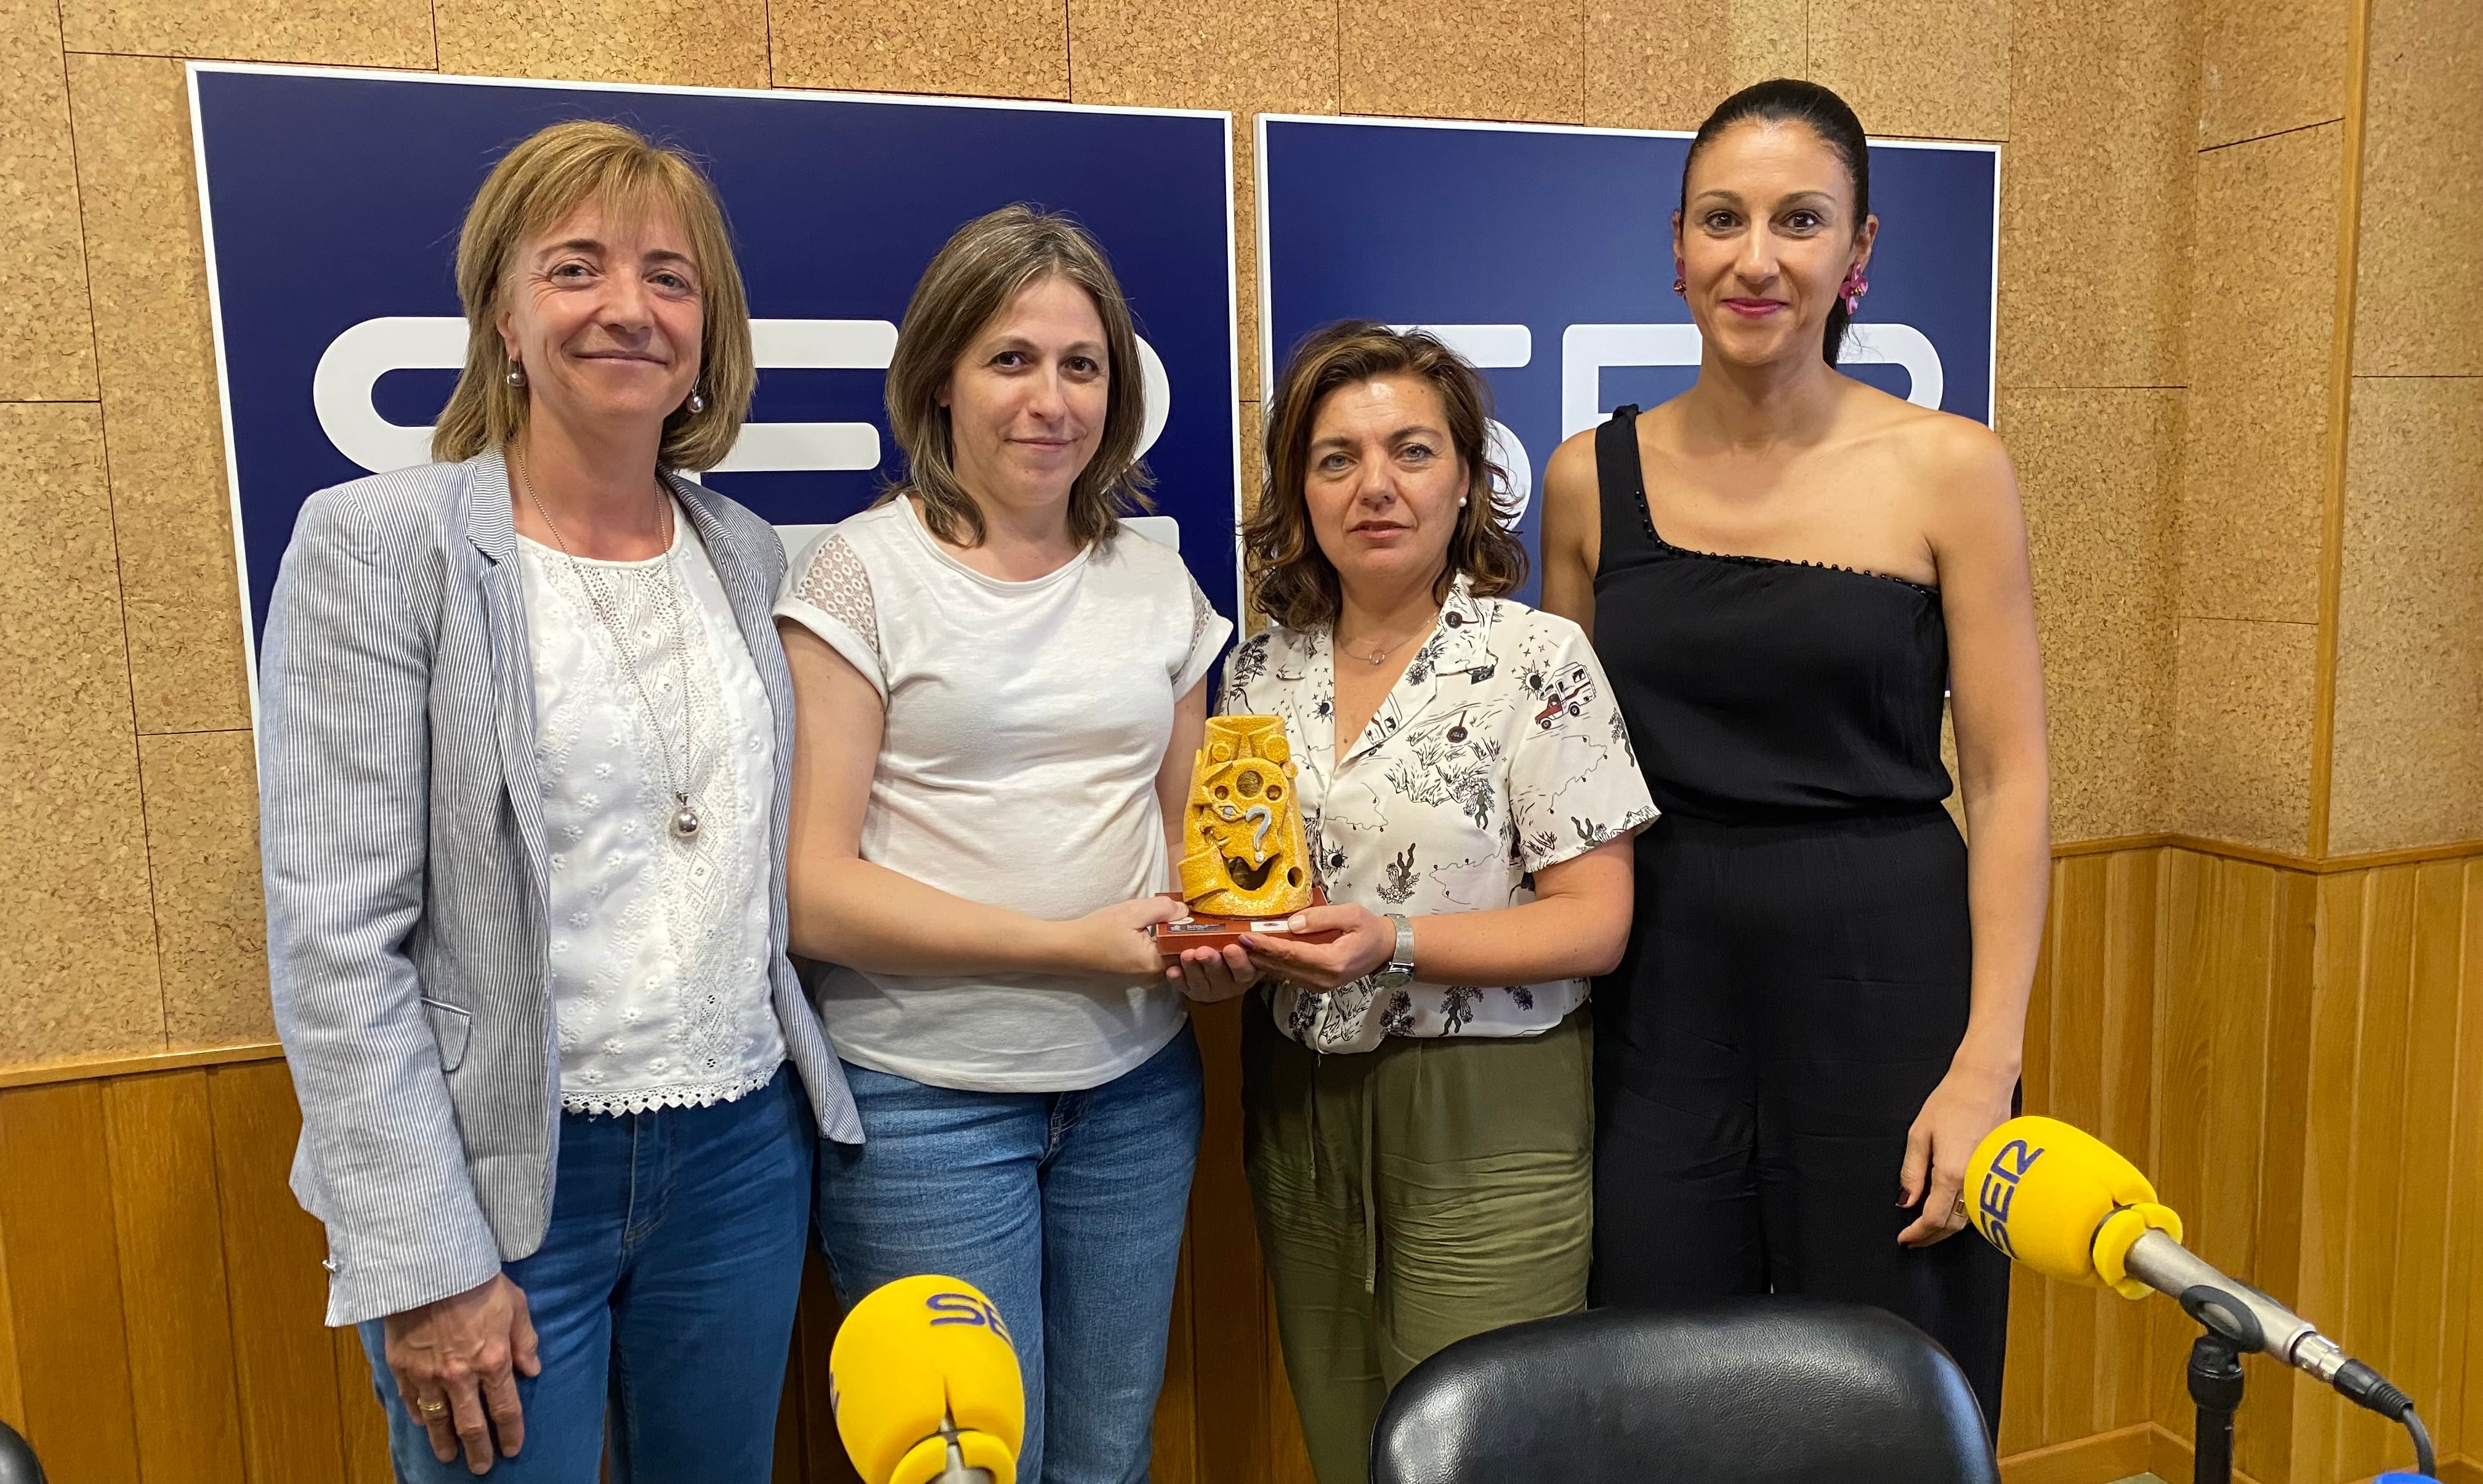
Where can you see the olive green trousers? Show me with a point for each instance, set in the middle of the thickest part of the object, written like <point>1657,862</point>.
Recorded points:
<point>1407,1198</point>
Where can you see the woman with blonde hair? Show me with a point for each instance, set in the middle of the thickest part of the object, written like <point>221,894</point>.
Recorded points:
<point>524,729</point>
<point>1002,692</point>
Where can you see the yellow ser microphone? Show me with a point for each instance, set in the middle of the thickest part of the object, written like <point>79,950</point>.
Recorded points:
<point>925,1385</point>
<point>2063,1203</point>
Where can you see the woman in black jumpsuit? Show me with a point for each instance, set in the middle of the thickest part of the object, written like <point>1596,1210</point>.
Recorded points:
<point>1801,974</point>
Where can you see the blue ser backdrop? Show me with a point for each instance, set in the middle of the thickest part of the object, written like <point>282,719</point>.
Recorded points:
<point>1544,256</point>
<point>333,202</point>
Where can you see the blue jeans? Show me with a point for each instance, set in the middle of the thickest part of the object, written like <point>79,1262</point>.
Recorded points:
<point>1065,1209</point>
<point>664,1291</point>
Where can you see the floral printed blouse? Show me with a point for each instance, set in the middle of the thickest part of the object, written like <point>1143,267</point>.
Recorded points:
<point>1498,752</point>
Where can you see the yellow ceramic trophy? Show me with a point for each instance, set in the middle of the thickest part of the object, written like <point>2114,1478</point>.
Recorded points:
<point>1245,865</point>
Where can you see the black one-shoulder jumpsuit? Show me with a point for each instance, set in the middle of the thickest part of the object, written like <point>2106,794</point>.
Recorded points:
<point>1796,981</point>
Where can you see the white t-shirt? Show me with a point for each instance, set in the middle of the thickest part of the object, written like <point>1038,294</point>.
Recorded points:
<point>1027,722</point>
<point>658,943</point>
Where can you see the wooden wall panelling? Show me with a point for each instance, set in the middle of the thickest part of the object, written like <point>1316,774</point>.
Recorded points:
<point>2416,1341</point>
<point>2377,1106</point>
<point>361,1426</point>
<point>64,1284</point>
<point>2076,1034</point>
<point>172,1253</point>
<point>2326,1219</point>
<point>2078,1355</point>
<point>12,1399</point>
<point>2285,1134</point>
<point>1234,1328</point>
<point>2459,1409</point>
<point>2229,929</point>
<point>287,1363</point>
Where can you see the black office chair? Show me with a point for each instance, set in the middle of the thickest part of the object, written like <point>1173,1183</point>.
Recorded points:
<point>1761,1390</point>
<point>17,1464</point>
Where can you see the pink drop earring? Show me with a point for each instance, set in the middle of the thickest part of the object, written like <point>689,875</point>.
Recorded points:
<point>1855,286</point>
<point>1680,278</point>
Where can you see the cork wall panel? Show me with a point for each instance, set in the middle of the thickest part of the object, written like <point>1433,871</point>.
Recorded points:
<point>2096,220</point>
<point>1519,60</point>
<point>716,43</point>
<point>159,392</point>
<point>202,856</point>
<point>2243,702</point>
<point>336,33</point>
<point>1935,68</point>
<point>2422,193</point>
<point>1766,38</point>
<point>985,48</point>
<point>2097,470</point>
<point>77,965</point>
<point>2409,761</point>
<point>2262,318</point>
<point>1277,58</point>
<point>1245,261</point>
<point>2269,66</point>
<point>1665,64</point>
<point>46,341</point>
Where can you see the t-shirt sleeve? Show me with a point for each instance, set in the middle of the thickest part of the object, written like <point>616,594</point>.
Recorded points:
<point>1208,631</point>
<point>828,592</point>
<point>1574,783</point>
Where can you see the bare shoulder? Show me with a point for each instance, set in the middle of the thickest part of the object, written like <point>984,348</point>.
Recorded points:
<point>1570,471</point>
<point>1944,450</point>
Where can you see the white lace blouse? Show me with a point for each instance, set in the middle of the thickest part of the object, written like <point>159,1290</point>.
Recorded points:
<point>658,943</point>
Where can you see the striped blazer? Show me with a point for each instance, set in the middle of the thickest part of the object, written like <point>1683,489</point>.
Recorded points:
<point>402,836</point>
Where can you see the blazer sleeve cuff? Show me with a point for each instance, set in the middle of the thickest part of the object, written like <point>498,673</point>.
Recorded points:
<point>371,1280</point>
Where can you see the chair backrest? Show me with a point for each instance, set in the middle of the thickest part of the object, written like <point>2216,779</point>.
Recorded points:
<point>1760,1391</point>
<point>17,1465</point>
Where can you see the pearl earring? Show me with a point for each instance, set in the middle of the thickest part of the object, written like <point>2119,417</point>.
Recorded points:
<point>517,376</point>
<point>1461,502</point>
<point>697,403</point>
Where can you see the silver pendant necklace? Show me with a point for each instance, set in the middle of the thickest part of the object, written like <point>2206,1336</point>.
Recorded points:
<point>684,823</point>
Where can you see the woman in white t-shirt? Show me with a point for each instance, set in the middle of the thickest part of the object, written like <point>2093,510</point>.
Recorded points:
<point>998,693</point>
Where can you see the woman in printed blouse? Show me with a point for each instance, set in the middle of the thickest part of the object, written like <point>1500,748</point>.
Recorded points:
<point>1418,1112</point>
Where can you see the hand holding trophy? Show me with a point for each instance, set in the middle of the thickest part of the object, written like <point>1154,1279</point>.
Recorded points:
<point>1246,865</point>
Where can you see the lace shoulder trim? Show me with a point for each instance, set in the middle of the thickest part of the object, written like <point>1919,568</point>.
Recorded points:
<point>1202,613</point>
<point>836,582</point>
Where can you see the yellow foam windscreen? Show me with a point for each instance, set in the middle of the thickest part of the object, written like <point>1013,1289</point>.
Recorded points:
<point>911,1357</point>
<point>2060,1201</point>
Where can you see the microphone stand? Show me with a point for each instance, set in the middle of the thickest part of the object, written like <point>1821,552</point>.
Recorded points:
<point>2216,1387</point>
<point>2232,1331</point>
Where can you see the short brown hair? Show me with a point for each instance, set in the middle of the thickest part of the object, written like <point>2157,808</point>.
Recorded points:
<point>973,279</point>
<point>544,180</point>
<point>1292,580</point>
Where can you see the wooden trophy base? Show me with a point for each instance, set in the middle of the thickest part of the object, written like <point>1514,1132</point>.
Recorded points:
<point>1213,930</point>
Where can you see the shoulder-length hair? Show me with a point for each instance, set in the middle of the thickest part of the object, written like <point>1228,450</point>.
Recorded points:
<point>1292,580</point>
<point>971,280</point>
<point>534,186</point>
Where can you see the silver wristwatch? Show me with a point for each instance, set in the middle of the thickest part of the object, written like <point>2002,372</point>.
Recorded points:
<point>1401,964</point>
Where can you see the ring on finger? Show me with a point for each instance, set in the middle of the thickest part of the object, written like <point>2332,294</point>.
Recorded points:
<point>434,1408</point>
